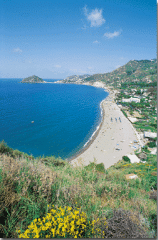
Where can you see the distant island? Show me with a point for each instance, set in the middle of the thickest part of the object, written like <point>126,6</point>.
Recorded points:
<point>33,79</point>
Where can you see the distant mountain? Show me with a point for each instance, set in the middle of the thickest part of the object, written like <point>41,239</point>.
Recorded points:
<point>32,79</point>
<point>133,71</point>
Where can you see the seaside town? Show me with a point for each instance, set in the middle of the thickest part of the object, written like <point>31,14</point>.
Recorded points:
<point>134,89</point>
<point>78,122</point>
<point>110,189</point>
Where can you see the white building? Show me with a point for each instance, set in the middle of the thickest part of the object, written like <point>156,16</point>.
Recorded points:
<point>136,100</point>
<point>133,158</point>
<point>150,135</point>
<point>132,119</point>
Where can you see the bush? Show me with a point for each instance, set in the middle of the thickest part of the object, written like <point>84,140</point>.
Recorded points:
<point>52,161</point>
<point>99,167</point>
<point>60,223</point>
<point>126,159</point>
<point>145,149</point>
<point>17,153</point>
<point>152,144</point>
<point>5,149</point>
<point>122,225</point>
<point>153,222</point>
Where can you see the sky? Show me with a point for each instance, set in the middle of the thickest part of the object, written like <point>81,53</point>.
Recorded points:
<point>54,39</point>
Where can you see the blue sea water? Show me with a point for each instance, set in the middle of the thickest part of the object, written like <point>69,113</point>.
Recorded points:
<point>65,116</point>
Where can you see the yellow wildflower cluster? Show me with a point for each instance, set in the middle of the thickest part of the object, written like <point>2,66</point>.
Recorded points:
<point>126,165</point>
<point>60,222</point>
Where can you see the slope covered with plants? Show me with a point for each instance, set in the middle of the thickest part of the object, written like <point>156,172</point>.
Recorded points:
<point>48,198</point>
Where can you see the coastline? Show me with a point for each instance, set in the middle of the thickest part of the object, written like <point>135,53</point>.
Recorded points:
<point>114,138</point>
<point>91,139</point>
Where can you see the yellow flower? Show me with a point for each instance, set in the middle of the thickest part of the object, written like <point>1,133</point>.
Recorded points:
<point>43,228</point>
<point>47,236</point>
<point>53,231</point>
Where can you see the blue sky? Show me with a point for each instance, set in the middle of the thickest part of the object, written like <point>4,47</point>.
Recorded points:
<point>56,39</point>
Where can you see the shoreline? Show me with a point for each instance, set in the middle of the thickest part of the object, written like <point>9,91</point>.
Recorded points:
<point>96,132</point>
<point>91,139</point>
<point>115,144</point>
<point>109,144</point>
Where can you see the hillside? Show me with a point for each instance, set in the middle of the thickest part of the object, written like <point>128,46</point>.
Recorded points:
<point>32,79</point>
<point>101,203</point>
<point>88,201</point>
<point>75,78</point>
<point>134,71</point>
<point>135,88</point>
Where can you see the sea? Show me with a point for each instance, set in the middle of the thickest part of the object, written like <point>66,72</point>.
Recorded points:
<point>49,119</point>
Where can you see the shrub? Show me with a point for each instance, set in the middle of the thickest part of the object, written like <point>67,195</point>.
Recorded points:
<point>99,167</point>
<point>52,161</point>
<point>5,149</point>
<point>145,149</point>
<point>126,159</point>
<point>17,153</point>
<point>153,222</point>
<point>152,144</point>
<point>123,224</point>
<point>60,223</point>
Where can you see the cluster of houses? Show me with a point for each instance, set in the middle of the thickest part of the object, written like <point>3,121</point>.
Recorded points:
<point>75,78</point>
<point>131,99</point>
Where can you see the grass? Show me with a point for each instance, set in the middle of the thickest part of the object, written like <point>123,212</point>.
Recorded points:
<point>145,126</point>
<point>29,186</point>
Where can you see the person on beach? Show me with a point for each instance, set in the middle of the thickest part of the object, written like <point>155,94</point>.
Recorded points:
<point>111,119</point>
<point>116,119</point>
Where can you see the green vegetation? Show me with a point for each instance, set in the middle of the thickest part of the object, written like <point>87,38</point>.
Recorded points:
<point>141,85</point>
<point>152,144</point>
<point>134,79</point>
<point>124,113</point>
<point>32,79</point>
<point>132,72</point>
<point>61,222</point>
<point>145,126</point>
<point>47,195</point>
<point>126,159</point>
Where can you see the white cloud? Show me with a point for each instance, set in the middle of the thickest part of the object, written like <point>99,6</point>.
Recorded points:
<point>94,17</point>
<point>57,66</point>
<point>96,42</point>
<point>17,50</point>
<point>112,35</point>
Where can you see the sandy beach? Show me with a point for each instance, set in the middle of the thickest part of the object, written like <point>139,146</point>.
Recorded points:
<point>116,137</point>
